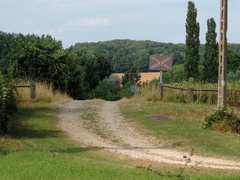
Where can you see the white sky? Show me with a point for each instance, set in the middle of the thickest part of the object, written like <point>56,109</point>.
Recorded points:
<point>73,21</point>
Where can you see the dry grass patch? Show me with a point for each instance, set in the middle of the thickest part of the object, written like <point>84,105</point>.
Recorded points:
<point>45,94</point>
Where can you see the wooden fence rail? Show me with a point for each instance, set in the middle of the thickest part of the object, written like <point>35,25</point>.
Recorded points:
<point>190,91</point>
<point>32,87</point>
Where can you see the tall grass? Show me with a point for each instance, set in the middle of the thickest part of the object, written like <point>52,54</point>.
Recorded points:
<point>44,94</point>
<point>151,92</point>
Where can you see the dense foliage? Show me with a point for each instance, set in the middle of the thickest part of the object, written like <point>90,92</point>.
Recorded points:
<point>233,61</point>
<point>113,88</point>
<point>7,104</point>
<point>109,89</point>
<point>192,42</point>
<point>223,119</point>
<point>176,75</point>
<point>76,72</point>
<point>131,77</point>
<point>125,54</point>
<point>210,64</point>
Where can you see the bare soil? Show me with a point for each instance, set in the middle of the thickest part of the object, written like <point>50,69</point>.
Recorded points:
<point>99,124</point>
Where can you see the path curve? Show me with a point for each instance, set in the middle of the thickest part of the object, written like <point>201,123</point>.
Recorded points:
<point>99,124</point>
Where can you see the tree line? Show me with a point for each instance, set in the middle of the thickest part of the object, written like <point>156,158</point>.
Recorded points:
<point>124,53</point>
<point>43,59</point>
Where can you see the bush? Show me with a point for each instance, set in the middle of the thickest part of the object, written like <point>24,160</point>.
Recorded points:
<point>108,89</point>
<point>176,75</point>
<point>223,119</point>
<point>131,77</point>
<point>7,104</point>
<point>232,77</point>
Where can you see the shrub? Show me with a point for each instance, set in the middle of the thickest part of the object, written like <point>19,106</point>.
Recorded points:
<point>232,77</point>
<point>108,89</point>
<point>111,89</point>
<point>131,77</point>
<point>223,119</point>
<point>176,75</point>
<point>7,104</point>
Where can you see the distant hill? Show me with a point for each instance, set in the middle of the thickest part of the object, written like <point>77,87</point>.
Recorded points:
<point>123,54</point>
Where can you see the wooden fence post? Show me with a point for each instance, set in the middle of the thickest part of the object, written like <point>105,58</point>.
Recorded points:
<point>33,91</point>
<point>190,94</point>
<point>161,91</point>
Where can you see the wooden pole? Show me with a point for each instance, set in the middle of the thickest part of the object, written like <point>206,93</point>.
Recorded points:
<point>161,77</point>
<point>190,95</point>
<point>222,73</point>
<point>33,91</point>
<point>161,91</point>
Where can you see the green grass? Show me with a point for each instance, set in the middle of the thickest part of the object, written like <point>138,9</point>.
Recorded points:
<point>184,132</point>
<point>37,149</point>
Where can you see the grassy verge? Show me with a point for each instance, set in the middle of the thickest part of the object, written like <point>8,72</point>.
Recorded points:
<point>184,131</point>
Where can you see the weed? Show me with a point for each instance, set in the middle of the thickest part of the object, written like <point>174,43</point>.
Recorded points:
<point>223,119</point>
<point>180,174</point>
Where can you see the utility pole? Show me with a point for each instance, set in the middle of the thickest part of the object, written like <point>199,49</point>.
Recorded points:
<point>222,73</point>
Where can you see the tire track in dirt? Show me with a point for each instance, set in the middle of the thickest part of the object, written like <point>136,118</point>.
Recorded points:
<point>99,124</point>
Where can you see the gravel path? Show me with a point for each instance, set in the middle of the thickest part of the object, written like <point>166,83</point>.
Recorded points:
<point>99,124</point>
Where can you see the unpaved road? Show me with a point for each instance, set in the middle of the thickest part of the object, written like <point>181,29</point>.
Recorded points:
<point>99,124</point>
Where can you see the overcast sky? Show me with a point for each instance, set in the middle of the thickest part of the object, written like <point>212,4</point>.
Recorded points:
<point>73,21</point>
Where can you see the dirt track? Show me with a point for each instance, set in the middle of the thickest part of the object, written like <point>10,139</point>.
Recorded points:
<point>99,124</point>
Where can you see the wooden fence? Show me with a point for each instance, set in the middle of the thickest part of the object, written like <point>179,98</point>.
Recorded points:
<point>32,87</point>
<point>189,91</point>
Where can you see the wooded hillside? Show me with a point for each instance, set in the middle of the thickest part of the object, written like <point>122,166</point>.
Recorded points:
<point>123,54</point>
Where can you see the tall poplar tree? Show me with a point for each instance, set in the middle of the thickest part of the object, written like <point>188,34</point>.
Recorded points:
<point>192,42</point>
<point>211,53</point>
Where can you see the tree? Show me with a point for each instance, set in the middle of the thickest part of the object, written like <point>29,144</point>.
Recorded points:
<point>97,67</point>
<point>192,42</point>
<point>131,77</point>
<point>233,61</point>
<point>210,70</point>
